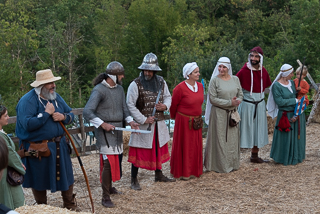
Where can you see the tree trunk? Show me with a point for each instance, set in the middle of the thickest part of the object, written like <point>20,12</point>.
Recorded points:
<point>315,112</point>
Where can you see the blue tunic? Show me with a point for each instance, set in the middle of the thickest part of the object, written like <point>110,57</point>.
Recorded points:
<point>34,124</point>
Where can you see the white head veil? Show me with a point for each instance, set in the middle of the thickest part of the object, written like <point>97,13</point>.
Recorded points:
<point>272,107</point>
<point>250,66</point>
<point>226,62</point>
<point>188,68</point>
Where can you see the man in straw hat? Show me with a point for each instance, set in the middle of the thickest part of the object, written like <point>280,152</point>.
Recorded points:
<point>254,79</point>
<point>38,115</point>
<point>107,109</point>
<point>149,151</point>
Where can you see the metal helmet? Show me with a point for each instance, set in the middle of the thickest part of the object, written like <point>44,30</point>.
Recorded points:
<point>115,68</point>
<point>150,63</point>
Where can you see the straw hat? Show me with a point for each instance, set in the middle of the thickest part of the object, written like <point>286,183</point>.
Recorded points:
<point>43,77</point>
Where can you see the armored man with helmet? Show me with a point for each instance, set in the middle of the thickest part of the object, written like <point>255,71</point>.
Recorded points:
<point>149,151</point>
<point>107,109</point>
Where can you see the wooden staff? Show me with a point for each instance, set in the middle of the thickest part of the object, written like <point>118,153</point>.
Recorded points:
<point>80,162</point>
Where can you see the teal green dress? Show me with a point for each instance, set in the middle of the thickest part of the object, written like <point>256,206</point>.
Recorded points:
<point>11,196</point>
<point>286,147</point>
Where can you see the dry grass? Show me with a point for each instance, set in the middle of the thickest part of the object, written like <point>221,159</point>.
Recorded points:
<point>254,188</point>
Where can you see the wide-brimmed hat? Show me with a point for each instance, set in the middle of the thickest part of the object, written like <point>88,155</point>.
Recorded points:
<point>43,77</point>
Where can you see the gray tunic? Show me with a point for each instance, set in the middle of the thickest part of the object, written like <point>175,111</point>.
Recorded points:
<point>222,155</point>
<point>253,132</point>
<point>109,105</point>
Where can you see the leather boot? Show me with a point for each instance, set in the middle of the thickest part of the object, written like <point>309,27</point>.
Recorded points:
<point>255,159</point>
<point>159,177</point>
<point>40,196</point>
<point>114,191</point>
<point>135,184</point>
<point>106,202</point>
<point>106,184</point>
<point>69,199</point>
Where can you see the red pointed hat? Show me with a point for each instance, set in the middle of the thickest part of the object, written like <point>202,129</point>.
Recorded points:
<point>257,49</point>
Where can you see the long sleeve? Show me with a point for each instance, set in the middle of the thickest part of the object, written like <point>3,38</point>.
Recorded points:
<point>240,92</point>
<point>279,98</point>
<point>126,112</point>
<point>27,118</point>
<point>66,110</point>
<point>176,98</point>
<point>14,158</point>
<point>213,96</point>
<point>166,96</point>
<point>91,106</point>
<point>132,97</point>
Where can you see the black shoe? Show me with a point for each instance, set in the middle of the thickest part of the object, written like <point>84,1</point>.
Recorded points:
<point>135,184</point>
<point>113,190</point>
<point>159,177</point>
<point>258,160</point>
<point>106,202</point>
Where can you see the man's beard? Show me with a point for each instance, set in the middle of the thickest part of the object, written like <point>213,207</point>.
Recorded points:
<point>119,82</point>
<point>47,95</point>
<point>147,77</point>
<point>254,62</point>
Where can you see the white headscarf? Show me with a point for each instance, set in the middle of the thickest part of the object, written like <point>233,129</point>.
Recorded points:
<point>114,79</point>
<point>188,68</point>
<point>272,107</point>
<point>250,67</point>
<point>222,61</point>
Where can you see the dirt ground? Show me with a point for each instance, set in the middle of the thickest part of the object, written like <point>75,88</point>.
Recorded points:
<point>254,188</point>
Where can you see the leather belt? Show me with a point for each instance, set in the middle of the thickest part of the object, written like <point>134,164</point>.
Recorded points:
<point>255,106</point>
<point>228,111</point>
<point>34,153</point>
<point>57,141</point>
<point>190,118</point>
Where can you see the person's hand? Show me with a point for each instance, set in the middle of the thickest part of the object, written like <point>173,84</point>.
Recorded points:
<point>299,88</point>
<point>235,102</point>
<point>108,127</point>
<point>24,167</point>
<point>50,108</point>
<point>149,120</point>
<point>58,116</point>
<point>161,107</point>
<point>134,125</point>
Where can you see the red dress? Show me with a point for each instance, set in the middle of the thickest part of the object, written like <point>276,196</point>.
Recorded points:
<point>186,155</point>
<point>150,159</point>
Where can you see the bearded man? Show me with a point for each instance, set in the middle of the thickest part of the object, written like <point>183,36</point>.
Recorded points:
<point>107,109</point>
<point>254,79</point>
<point>38,115</point>
<point>149,151</point>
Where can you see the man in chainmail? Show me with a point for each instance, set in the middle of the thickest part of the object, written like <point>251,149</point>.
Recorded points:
<point>107,109</point>
<point>149,151</point>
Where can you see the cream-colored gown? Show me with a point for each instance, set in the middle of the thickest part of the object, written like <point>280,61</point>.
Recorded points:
<point>222,152</point>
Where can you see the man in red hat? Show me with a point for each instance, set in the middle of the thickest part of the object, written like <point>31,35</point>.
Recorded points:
<point>254,79</point>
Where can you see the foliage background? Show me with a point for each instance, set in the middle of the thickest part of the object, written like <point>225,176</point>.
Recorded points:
<point>78,38</point>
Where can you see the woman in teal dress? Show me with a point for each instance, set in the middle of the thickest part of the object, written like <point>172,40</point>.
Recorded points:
<point>289,139</point>
<point>10,196</point>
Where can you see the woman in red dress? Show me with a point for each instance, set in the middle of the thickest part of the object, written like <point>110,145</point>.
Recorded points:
<point>187,98</point>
